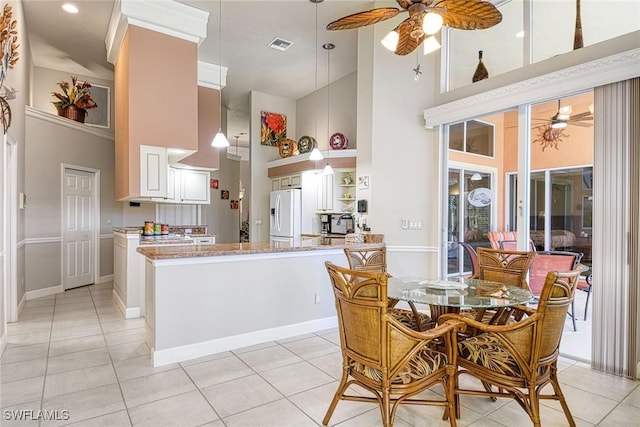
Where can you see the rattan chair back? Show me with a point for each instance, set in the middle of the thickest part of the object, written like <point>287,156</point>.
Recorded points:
<point>381,354</point>
<point>509,267</point>
<point>367,259</point>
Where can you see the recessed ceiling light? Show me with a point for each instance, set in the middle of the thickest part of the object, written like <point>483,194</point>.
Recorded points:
<point>280,44</point>
<point>71,8</point>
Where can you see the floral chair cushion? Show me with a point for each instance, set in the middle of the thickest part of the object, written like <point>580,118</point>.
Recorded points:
<point>485,350</point>
<point>422,365</point>
<point>407,318</point>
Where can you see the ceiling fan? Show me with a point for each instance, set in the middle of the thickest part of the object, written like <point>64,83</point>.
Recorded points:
<point>459,14</point>
<point>563,118</point>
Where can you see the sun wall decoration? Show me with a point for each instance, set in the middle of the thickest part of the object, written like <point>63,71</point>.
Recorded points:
<point>273,128</point>
<point>549,137</point>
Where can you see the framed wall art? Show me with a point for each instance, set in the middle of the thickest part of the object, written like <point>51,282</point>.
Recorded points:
<point>273,128</point>
<point>224,194</point>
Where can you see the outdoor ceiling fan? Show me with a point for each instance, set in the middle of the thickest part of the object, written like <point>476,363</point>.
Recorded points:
<point>425,18</point>
<point>563,118</point>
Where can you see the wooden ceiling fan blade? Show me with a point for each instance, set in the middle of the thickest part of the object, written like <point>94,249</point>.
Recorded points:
<point>582,116</point>
<point>468,14</point>
<point>362,19</point>
<point>407,43</point>
<point>583,124</point>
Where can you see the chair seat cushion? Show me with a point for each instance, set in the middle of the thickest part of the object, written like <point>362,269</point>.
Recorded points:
<point>407,318</point>
<point>425,362</point>
<point>485,350</point>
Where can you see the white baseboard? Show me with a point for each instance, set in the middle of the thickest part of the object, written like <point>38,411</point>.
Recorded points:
<point>193,351</point>
<point>129,313</point>
<point>45,292</point>
<point>105,279</point>
<point>3,341</point>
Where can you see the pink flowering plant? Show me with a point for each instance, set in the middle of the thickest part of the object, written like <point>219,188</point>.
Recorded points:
<point>75,93</point>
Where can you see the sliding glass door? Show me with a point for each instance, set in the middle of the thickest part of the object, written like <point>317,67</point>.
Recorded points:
<point>470,215</point>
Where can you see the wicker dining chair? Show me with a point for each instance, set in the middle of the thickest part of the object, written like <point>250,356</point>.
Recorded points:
<point>508,267</point>
<point>374,259</point>
<point>383,356</point>
<point>520,359</point>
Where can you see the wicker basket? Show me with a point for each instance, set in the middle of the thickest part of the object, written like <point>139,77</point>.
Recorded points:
<point>74,113</point>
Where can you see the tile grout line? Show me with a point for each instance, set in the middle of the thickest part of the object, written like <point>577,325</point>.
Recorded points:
<point>115,373</point>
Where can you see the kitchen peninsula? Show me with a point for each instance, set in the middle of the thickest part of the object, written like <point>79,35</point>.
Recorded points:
<point>205,299</point>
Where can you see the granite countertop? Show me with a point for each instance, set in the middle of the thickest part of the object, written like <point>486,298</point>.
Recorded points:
<point>221,249</point>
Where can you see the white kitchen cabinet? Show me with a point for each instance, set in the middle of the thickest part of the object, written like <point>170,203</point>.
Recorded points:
<point>286,182</point>
<point>325,192</point>
<point>189,186</point>
<point>153,171</point>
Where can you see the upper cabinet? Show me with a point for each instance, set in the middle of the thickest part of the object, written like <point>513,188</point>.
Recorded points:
<point>160,182</point>
<point>153,171</point>
<point>193,185</point>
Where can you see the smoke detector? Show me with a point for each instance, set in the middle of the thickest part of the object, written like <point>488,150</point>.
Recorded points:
<point>280,44</point>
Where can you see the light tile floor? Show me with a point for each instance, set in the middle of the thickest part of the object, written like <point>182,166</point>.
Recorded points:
<point>75,354</point>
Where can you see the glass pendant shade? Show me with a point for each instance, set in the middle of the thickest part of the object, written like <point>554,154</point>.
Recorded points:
<point>390,41</point>
<point>220,141</point>
<point>431,44</point>
<point>328,170</point>
<point>316,154</point>
<point>431,23</point>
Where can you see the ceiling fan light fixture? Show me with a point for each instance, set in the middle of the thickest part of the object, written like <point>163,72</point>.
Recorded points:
<point>390,41</point>
<point>558,124</point>
<point>315,154</point>
<point>431,44</point>
<point>431,23</point>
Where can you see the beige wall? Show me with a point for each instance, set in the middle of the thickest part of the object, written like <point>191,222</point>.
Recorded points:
<point>49,145</point>
<point>208,124</point>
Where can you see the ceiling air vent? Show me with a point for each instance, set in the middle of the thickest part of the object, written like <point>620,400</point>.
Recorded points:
<point>280,44</point>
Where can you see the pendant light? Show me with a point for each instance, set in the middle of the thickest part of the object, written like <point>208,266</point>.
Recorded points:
<point>315,153</point>
<point>220,141</point>
<point>328,170</point>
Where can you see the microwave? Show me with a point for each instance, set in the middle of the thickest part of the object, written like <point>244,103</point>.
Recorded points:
<point>341,224</point>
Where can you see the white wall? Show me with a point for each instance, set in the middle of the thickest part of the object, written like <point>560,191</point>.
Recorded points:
<point>312,112</point>
<point>260,155</point>
<point>397,152</point>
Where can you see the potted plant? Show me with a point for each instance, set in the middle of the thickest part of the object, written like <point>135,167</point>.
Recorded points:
<point>75,99</point>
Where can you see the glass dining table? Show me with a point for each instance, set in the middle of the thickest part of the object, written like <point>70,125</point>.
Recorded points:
<point>449,296</point>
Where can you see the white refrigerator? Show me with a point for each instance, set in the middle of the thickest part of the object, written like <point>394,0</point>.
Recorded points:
<point>285,208</point>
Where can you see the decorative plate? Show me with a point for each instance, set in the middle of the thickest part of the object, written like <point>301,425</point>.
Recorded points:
<point>338,141</point>
<point>480,197</point>
<point>288,147</point>
<point>306,144</point>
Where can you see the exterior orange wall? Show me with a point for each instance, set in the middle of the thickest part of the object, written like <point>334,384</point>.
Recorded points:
<point>156,81</point>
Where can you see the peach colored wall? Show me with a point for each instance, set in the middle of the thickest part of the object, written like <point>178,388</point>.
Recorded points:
<point>127,175</point>
<point>156,97</point>
<point>163,90</point>
<point>208,124</point>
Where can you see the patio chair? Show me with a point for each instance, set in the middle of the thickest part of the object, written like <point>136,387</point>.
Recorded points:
<point>520,359</point>
<point>473,255</point>
<point>374,259</point>
<point>382,355</point>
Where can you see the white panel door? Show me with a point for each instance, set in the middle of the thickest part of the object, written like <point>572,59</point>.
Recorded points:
<point>77,217</point>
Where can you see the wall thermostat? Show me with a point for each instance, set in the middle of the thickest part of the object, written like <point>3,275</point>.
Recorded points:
<point>362,206</point>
